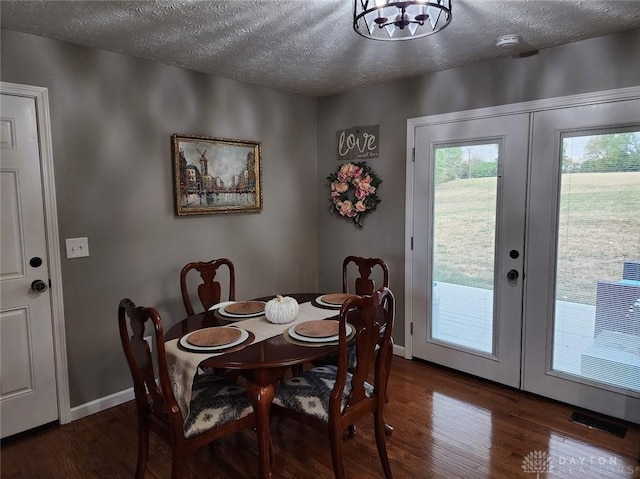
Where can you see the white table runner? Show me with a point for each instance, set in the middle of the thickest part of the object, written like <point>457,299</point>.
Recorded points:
<point>183,365</point>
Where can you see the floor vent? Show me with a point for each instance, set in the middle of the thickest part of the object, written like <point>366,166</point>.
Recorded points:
<point>599,424</point>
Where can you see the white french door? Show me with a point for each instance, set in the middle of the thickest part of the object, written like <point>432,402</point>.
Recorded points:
<point>469,195</point>
<point>582,306</point>
<point>525,267</point>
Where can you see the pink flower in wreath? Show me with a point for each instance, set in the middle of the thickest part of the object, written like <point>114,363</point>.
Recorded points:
<point>360,194</point>
<point>366,180</point>
<point>342,187</point>
<point>335,196</point>
<point>365,184</point>
<point>346,172</point>
<point>346,209</point>
<point>360,206</point>
<point>357,172</point>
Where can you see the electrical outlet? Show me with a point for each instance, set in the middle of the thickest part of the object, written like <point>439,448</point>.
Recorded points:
<point>149,340</point>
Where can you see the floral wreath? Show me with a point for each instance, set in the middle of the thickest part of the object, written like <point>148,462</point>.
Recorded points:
<point>353,191</point>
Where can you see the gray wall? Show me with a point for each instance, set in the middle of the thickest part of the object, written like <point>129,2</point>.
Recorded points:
<point>112,118</point>
<point>593,65</point>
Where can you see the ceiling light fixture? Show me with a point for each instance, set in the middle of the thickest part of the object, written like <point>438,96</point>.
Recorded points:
<point>391,20</point>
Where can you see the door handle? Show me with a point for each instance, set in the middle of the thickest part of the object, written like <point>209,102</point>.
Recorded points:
<point>512,275</point>
<point>39,286</point>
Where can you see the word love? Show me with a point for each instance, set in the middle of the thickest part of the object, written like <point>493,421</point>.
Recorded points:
<point>358,143</point>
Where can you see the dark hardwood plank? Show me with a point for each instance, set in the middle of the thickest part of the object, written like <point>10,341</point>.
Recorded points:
<point>447,425</point>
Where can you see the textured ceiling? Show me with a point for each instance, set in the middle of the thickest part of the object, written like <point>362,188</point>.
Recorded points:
<point>309,46</point>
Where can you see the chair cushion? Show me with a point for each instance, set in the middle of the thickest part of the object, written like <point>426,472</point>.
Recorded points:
<point>352,358</point>
<point>309,392</point>
<point>215,401</point>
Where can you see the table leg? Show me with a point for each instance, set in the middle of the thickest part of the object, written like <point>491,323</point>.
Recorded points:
<point>261,398</point>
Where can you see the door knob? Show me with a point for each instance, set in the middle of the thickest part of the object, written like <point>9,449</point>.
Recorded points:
<point>512,275</point>
<point>39,286</point>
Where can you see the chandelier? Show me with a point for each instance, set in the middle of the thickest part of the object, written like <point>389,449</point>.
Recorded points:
<point>391,20</point>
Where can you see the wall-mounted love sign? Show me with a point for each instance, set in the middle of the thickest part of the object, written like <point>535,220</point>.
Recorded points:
<point>358,143</point>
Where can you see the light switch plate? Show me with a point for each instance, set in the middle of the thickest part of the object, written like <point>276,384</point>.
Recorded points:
<point>77,247</point>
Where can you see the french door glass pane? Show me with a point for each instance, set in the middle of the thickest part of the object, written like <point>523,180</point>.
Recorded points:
<point>597,302</point>
<point>464,215</point>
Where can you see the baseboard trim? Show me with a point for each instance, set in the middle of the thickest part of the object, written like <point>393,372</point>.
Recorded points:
<point>118,398</point>
<point>101,404</point>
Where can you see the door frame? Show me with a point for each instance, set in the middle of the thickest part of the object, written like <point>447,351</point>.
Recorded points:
<point>43,120</point>
<point>523,107</point>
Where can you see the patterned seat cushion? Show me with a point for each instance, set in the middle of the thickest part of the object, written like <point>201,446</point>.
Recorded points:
<point>309,392</point>
<point>352,358</point>
<point>215,401</point>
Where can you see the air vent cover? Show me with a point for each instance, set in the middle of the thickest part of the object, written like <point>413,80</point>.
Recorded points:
<point>600,424</point>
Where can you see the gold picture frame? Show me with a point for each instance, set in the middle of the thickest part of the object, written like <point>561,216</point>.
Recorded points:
<point>216,175</point>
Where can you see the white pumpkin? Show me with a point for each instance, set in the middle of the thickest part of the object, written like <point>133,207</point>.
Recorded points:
<point>281,310</point>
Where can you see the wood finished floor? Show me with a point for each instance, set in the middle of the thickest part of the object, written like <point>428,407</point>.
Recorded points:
<point>447,425</point>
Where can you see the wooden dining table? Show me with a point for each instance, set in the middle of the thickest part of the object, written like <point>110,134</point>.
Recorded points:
<point>262,364</point>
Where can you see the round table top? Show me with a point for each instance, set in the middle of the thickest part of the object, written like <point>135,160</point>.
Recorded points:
<point>271,353</point>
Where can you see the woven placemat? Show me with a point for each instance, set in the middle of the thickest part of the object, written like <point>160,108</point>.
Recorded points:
<point>325,306</point>
<point>230,319</point>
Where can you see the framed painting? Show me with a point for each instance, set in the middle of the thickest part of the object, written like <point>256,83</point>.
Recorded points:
<point>216,175</point>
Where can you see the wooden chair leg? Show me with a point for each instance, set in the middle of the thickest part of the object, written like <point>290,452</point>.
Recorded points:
<point>335,439</point>
<point>143,447</point>
<point>272,454</point>
<point>177,464</point>
<point>381,442</point>
<point>388,428</point>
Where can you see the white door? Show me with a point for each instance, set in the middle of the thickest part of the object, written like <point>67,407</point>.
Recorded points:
<point>582,308</point>
<point>468,239</point>
<point>28,379</point>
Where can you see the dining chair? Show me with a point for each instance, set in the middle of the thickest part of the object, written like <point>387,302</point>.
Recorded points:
<point>218,407</point>
<point>363,284</point>
<point>209,290</point>
<point>331,398</point>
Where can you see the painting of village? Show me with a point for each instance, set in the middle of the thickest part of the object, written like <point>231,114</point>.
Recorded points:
<point>216,175</point>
